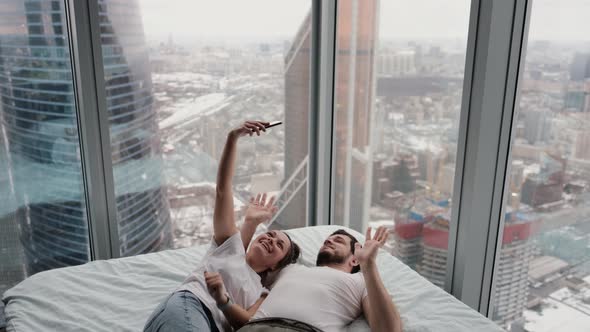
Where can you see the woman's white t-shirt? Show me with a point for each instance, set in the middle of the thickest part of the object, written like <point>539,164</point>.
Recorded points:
<point>241,282</point>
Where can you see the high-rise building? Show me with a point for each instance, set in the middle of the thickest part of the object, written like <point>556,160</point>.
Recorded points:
<point>576,96</point>
<point>430,162</point>
<point>580,67</point>
<point>537,127</point>
<point>408,242</point>
<point>405,172</point>
<point>511,275</point>
<point>356,33</point>
<point>356,37</point>
<point>39,119</point>
<point>142,205</point>
<point>582,147</point>
<point>398,63</point>
<point>446,178</point>
<point>435,242</point>
<point>297,102</point>
<point>422,243</point>
<point>546,186</point>
<point>11,257</point>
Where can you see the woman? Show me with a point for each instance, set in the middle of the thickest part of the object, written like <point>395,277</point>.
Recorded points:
<point>228,281</point>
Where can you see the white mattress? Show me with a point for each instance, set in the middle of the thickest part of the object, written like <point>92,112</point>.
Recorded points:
<point>120,294</point>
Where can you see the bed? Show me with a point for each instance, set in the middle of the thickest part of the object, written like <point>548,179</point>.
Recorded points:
<point>120,294</point>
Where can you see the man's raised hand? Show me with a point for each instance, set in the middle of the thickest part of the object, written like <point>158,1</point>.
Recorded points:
<point>367,253</point>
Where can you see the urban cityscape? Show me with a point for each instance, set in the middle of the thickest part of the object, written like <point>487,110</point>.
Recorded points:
<point>397,106</point>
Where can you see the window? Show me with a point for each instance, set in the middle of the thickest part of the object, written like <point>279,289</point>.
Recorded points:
<point>43,222</point>
<point>178,77</point>
<point>542,276</point>
<point>398,86</point>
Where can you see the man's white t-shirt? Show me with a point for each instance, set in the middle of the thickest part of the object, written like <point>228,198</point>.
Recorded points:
<point>241,282</point>
<point>324,297</point>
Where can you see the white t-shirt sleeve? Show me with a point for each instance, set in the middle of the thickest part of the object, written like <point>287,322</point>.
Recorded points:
<point>232,246</point>
<point>361,287</point>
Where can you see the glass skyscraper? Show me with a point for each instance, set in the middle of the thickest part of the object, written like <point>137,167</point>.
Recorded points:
<point>41,145</point>
<point>142,205</point>
<point>353,86</point>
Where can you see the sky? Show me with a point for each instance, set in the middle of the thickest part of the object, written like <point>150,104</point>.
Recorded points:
<point>405,19</point>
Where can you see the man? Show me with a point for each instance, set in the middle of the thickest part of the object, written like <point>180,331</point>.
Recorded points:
<point>344,284</point>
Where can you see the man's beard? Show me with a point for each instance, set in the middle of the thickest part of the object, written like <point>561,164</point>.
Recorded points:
<point>327,258</point>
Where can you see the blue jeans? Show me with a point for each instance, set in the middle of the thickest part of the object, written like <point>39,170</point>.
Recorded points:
<point>181,311</point>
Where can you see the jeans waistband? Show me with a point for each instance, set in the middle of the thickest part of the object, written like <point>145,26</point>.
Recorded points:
<point>285,322</point>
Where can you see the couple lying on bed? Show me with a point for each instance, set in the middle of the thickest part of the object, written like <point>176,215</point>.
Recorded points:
<point>227,289</point>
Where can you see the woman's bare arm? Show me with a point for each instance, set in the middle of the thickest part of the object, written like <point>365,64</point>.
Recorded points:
<point>238,316</point>
<point>235,314</point>
<point>224,224</point>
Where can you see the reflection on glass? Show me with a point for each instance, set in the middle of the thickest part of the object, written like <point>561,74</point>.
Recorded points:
<point>142,206</point>
<point>179,76</point>
<point>42,209</point>
<point>542,279</point>
<point>399,80</point>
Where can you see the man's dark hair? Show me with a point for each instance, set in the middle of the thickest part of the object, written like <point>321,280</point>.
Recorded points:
<point>353,241</point>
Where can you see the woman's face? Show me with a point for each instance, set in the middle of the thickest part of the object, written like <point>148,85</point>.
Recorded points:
<point>269,248</point>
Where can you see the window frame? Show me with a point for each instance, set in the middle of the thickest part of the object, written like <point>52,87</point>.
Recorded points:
<point>321,124</point>
<point>499,28</point>
<point>91,108</point>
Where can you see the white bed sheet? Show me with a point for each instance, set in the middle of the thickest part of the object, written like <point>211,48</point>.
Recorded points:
<point>120,294</point>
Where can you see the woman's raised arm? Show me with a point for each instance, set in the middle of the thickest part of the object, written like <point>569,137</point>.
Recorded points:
<point>224,224</point>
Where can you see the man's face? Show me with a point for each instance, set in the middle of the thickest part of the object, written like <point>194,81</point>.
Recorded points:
<point>335,250</point>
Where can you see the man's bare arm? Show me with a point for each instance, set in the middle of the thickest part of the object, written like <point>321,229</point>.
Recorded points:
<point>378,307</point>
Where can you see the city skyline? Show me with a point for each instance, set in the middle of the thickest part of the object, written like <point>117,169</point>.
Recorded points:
<point>418,20</point>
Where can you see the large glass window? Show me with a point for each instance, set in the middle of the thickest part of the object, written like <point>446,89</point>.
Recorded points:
<point>179,75</point>
<point>43,221</point>
<point>542,278</point>
<point>398,86</point>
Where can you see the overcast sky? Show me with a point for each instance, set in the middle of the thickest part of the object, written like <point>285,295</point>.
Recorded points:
<point>407,19</point>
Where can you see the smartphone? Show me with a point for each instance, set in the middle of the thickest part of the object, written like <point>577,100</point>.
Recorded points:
<point>275,123</point>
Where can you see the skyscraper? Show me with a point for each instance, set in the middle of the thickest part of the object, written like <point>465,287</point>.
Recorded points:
<point>511,290</point>
<point>580,67</point>
<point>422,243</point>
<point>582,147</point>
<point>39,123</point>
<point>435,242</point>
<point>546,186</point>
<point>39,119</point>
<point>408,242</point>
<point>537,127</point>
<point>356,35</point>
<point>142,205</point>
<point>297,102</point>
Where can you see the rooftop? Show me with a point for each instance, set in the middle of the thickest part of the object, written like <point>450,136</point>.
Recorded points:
<point>544,266</point>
